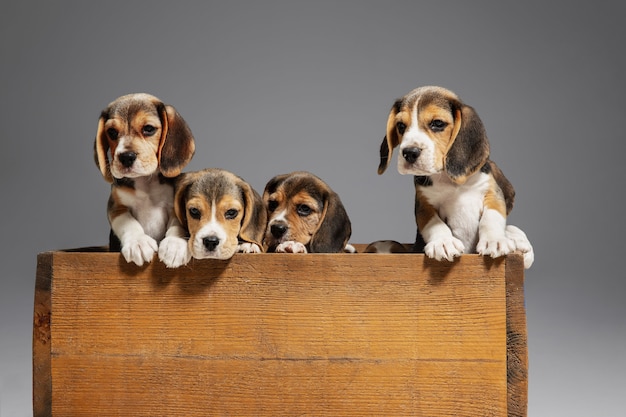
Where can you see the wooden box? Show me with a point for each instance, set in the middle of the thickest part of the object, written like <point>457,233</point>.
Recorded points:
<point>279,335</point>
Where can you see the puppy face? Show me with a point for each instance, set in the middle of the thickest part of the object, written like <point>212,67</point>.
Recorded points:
<point>302,208</point>
<point>435,133</point>
<point>219,210</point>
<point>138,136</point>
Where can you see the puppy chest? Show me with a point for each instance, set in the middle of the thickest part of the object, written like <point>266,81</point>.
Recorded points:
<point>459,206</point>
<point>151,206</point>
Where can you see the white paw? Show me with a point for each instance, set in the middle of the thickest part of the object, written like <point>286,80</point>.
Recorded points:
<point>174,252</point>
<point>495,247</point>
<point>247,247</point>
<point>522,244</point>
<point>291,247</point>
<point>140,249</point>
<point>349,249</point>
<point>447,248</point>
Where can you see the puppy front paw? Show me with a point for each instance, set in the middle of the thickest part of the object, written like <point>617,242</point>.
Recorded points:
<point>522,244</point>
<point>446,248</point>
<point>174,252</point>
<point>247,247</point>
<point>291,247</point>
<point>495,246</point>
<point>140,249</point>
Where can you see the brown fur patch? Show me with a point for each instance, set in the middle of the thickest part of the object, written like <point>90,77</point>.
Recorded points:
<point>494,199</point>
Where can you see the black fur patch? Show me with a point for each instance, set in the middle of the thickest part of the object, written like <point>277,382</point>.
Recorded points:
<point>422,180</point>
<point>124,182</point>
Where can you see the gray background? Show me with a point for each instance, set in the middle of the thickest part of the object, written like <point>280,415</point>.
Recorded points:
<point>268,88</point>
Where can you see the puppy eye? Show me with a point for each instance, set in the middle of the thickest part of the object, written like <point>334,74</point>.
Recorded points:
<point>195,213</point>
<point>401,127</point>
<point>148,130</point>
<point>272,205</point>
<point>231,214</point>
<point>438,125</point>
<point>303,210</point>
<point>112,133</point>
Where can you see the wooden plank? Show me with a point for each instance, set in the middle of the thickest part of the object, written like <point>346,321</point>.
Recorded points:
<point>42,379</point>
<point>517,339</point>
<point>276,334</point>
<point>238,387</point>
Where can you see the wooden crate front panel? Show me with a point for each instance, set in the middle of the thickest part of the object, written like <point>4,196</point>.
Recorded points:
<point>278,334</point>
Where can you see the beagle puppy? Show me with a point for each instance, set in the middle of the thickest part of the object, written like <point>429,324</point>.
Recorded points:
<point>221,213</point>
<point>141,145</point>
<point>305,215</point>
<point>462,198</point>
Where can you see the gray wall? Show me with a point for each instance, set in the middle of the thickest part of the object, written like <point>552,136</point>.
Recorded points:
<point>271,88</point>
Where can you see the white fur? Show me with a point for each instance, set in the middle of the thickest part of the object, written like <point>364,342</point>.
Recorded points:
<point>349,248</point>
<point>137,246</point>
<point>459,206</point>
<point>173,249</point>
<point>463,225</point>
<point>291,246</point>
<point>282,216</point>
<point>211,228</point>
<point>493,240</point>
<point>247,247</point>
<point>151,210</point>
<point>522,244</point>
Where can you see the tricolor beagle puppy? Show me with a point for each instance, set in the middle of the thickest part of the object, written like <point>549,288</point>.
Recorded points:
<point>462,198</point>
<point>305,215</point>
<point>141,145</point>
<point>221,212</point>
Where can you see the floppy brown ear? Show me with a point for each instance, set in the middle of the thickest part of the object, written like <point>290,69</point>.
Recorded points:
<point>177,144</point>
<point>504,184</point>
<point>470,147</point>
<point>181,188</point>
<point>255,216</point>
<point>335,228</point>
<point>101,150</point>
<point>390,141</point>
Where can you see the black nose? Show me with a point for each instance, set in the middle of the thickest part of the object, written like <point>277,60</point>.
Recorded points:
<point>411,154</point>
<point>127,158</point>
<point>278,230</point>
<point>211,242</point>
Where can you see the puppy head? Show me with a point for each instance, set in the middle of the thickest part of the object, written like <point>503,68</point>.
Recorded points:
<point>218,209</point>
<point>435,132</point>
<point>138,135</point>
<point>303,208</point>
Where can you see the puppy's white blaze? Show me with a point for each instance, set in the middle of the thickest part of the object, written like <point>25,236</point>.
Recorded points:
<point>212,228</point>
<point>282,216</point>
<point>123,145</point>
<point>414,137</point>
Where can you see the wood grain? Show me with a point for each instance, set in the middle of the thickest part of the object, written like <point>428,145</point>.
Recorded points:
<point>276,334</point>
